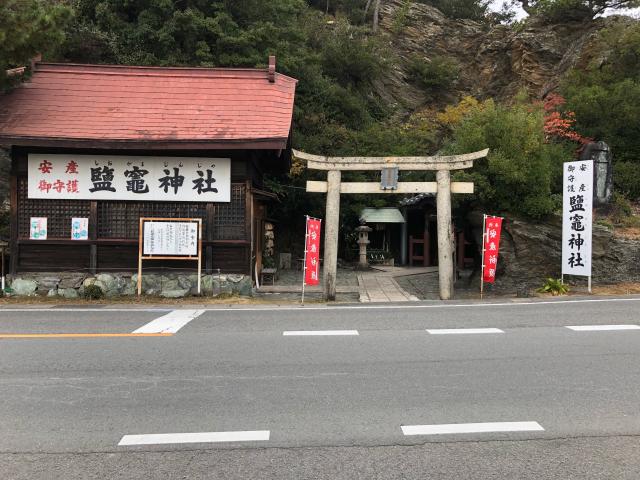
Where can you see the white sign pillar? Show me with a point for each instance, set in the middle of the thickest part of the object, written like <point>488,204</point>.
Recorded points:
<point>577,218</point>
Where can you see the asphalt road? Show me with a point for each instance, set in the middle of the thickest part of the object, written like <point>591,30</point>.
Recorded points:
<point>323,406</point>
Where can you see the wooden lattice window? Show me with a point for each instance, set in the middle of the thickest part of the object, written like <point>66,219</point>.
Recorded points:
<point>58,212</point>
<point>229,219</point>
<point>121,219</point>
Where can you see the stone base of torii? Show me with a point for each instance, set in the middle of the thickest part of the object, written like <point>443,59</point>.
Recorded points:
<point>389,166</point>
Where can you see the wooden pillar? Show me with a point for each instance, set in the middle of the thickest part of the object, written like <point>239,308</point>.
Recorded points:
<point>93,236</point>
<point>426,246</point>
<point>13,229</point>
<point>331,231</point>
<point>461,250</point>
<point>208,254</point>
<point>405,238</point>
<point>248,212</point>
<point>426,261</point>
<point>445,247</point>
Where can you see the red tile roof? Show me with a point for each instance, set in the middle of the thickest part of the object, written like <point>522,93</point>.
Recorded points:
<point>119,106</point>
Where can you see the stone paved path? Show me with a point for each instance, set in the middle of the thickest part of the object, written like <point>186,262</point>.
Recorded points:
<point>376,285</point>
<point>290,281</point>
<point>379,284</point>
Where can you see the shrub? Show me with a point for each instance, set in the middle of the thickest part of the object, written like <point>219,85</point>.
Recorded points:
<point>454,114</point>
<point>621,212</point>
<point>522,173</point>
<point>472,9</point>
<point>626,177</point>
<point>93,292</point>
<point>400,18</point>
<point>350,55</point>
<point>434,75</point>
<point>554,286</point>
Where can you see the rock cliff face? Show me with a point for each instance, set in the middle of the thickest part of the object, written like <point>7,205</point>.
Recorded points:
<point>531,252</point>
<point>495,61</point>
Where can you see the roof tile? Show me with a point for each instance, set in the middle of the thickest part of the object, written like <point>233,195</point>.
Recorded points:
<point>69,101</point>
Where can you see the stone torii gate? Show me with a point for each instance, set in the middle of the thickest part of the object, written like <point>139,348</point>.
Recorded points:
<point>389,166</point>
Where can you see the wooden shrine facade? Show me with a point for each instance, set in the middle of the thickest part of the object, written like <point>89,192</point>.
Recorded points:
<point>231,230</point>
<point>243,115</point>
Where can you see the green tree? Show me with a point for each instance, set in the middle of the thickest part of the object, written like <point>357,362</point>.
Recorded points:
<point>350,55</point>
<point>28,27</point>
<point>522,172</point>
<point>605,97</point>
<point>435,75</point>
<point>565,9</point>
<point>470,9</point>
<point>192,32</point>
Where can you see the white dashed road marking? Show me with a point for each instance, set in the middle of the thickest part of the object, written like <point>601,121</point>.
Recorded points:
<point>450,428</point>
<point>599,328</point>
<point>454,331</point>
<point>171,322</point>
<point>198,437</point>
<point>294,333</point>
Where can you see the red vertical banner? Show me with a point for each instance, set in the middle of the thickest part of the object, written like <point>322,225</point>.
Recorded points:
<point>312,252</point>
<point>493,228</point>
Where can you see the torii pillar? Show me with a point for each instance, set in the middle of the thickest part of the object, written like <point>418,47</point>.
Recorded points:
<point>443,187</point>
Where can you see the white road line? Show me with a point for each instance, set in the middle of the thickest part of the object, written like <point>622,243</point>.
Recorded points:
<point>598,328</point>
<point>326,308</point>
<point>198,437</point>
<point>171,322</point>
<point>444,429</point>
<point>455,331</point>
<point>302,333</point>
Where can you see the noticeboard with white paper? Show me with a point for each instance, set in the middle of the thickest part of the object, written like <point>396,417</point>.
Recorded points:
<point>170,238</point>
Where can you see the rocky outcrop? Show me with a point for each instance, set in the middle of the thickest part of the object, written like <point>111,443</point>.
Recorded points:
<point>495,61</point>
<point>531,252</point>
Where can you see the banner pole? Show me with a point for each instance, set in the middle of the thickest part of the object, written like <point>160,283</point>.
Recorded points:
<point>199,220</point>
<point>304,261</point>
<point>484,229</point>
<point>589,284</point>
<point>140,251</point>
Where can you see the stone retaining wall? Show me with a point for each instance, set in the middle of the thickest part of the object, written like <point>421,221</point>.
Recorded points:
<point>72,285</point>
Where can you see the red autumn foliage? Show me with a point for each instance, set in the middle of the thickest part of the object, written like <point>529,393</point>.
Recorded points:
<point>560,124</point>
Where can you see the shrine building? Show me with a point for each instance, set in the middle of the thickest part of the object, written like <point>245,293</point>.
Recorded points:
<point>95,147</point>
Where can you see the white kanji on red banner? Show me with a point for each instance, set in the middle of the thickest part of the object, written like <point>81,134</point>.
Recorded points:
<point>312,254</point>
<point>491,241</point>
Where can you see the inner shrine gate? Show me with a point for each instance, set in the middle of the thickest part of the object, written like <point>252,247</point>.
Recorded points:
<point>389,167</point>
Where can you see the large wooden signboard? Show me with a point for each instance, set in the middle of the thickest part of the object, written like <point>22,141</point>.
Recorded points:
<point>121,177</point>
<point>169,239</point>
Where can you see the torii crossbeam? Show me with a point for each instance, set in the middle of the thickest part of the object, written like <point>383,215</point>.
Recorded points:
<point>442,187</point>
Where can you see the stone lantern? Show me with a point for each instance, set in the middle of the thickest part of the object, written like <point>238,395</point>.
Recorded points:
<point>363,241</point>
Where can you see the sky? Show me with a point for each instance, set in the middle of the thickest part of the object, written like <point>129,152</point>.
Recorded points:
<point>497,4</point>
